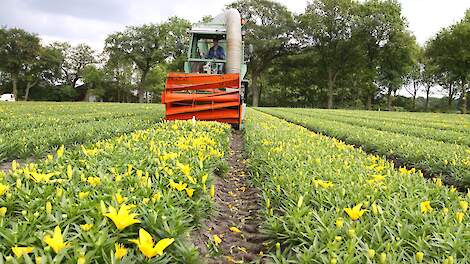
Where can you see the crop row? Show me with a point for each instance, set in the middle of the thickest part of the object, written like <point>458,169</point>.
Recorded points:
<point>328,202</point>
<point>36,142</point>
<point>132,198</point>
<point>18,116</point>
<point>452,161</point>
<point>450,136</point>
<point>440,121</point>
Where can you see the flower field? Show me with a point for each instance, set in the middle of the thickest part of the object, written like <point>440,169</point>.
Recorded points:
<point>438,157</point>
<point>34,129</point>
<point>328,202</point>
<point>113,183</point>
<point>131,198</point>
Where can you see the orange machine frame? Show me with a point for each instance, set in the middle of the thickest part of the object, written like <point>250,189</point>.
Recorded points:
<point>203,96</point>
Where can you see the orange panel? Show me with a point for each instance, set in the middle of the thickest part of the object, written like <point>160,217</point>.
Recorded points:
<point>202,96</point>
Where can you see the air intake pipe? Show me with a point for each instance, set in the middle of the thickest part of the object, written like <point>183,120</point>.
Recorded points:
<point>234,40</point>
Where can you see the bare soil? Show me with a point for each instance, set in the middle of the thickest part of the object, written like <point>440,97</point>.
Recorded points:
<point>236,205</point>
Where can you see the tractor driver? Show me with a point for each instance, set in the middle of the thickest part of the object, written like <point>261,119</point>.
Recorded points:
<point>216,52</point>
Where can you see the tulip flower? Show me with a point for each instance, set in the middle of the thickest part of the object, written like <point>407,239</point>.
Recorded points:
<point>20,251</point>
<point>356,212</point>
<point>56,242</point>
<point>148,247</point>
<point>122,218</point>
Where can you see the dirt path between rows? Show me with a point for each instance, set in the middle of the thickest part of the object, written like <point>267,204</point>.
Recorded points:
<point>236,205</point>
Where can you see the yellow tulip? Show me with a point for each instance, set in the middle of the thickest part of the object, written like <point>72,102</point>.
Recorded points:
<point>20,251</point>
<point>339,222</point>
<point>48,208</point>
<point>212,191</point>
<point>86,227</point>
<point>426,207</point>
<point>356,212</point>
<point>419,257</point>
<point>463,205</point>
<point>3,189</point>
<point>459,217</point>
<point>122,218</point>
<point>83,195</point>
<point>3,211</point>
<point>81,260</point>
<point>148,247</point>
<point>204,178</point>
<point>69,171</point>
<point>119,198</point>
<point>56,242</point>
<point>234,229</point>
<point>217,240</point>
<point>120,252</point>
<point>60,151</point>
<point>189,192</point>
<point>185,169</point>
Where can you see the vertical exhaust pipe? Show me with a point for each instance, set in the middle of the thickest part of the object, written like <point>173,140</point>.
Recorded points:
<point>234,40</point>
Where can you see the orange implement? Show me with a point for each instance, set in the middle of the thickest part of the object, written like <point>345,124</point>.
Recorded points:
<point>203,96</point>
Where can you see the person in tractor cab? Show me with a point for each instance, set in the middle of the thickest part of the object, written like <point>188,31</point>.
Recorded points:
<point>216,52</point>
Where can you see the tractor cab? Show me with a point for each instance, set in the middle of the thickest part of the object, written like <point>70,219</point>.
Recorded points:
<point>212,86</point>
<point>201,41</point>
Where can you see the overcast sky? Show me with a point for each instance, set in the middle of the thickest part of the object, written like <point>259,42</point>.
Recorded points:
<point>90,21</point>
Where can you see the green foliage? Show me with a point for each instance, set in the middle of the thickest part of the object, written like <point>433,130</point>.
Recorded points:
<point>18,49</point>
<point>438,153</point>
<point>148,45</point>
<point>269,27</point>
<point>83,183</point>
<point>307,180</point>
<point>23,135</point>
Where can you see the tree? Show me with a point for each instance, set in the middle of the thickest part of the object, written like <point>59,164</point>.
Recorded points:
<point>147,46</point>
<point>395,63</point>
<point>45,68</point>
<point>269,28</point>
<point>415,76</point>
<point>450,52</point>
<point>175,42</point>
<point>18,50</point>
<point>377,21</point>
<point>75,60</point>
<point>429,80</point>
<point>439,53</point>
<point>327,27</point>
<point>121,79</point>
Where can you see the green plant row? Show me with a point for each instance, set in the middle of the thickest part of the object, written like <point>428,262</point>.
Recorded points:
<point>453,122</point>
<point>129,199</point>
<point>39,122</point>
<point>328,202</point>
<point>21,116</point>
<point>417,130</point>
<point>448,160</point>
<point>438,118</point>
<point>37,142</point>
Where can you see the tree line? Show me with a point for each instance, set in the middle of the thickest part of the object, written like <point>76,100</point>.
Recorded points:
<point>337,53</point>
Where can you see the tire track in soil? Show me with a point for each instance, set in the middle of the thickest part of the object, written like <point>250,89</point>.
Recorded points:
<point>236,205</point>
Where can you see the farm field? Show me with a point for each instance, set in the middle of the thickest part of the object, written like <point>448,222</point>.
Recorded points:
<point>328,202</point>
<point>140,191</point>
<point>438,151</point>
<point>100,202</point>
<point>34,129</point>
